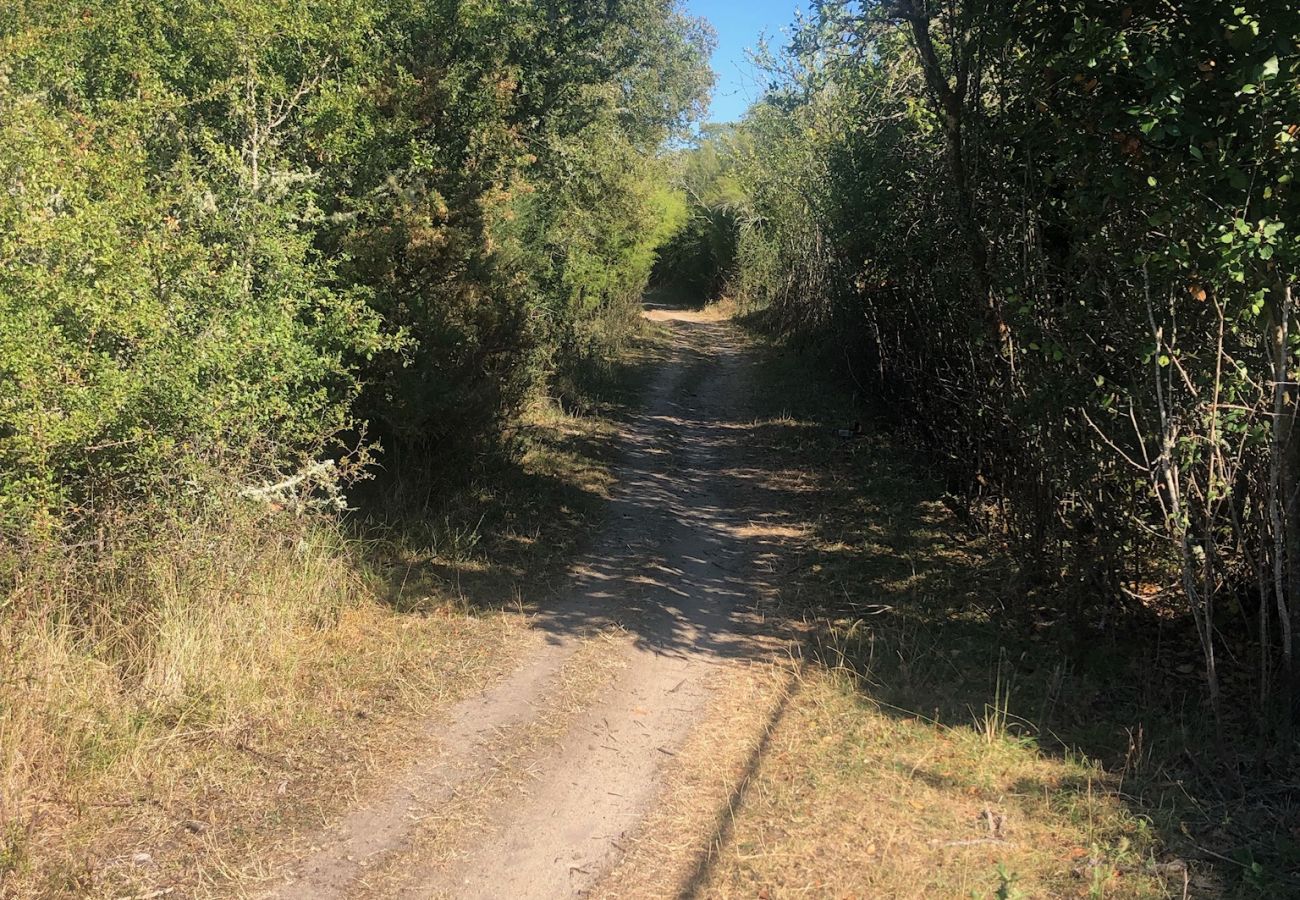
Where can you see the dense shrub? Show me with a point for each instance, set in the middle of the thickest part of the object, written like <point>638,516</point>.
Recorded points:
<point>163,322</point>
<point>700,258</point>
<point>231,232</point>
<point>1060,238</point>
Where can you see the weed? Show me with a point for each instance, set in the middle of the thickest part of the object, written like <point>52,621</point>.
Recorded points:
<point>13,841</point>
<point>1007,889</point>
<point>993,723</point>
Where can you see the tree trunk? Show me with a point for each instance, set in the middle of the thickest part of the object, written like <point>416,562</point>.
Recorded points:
<point>1283,511</point>
<point>950,101</point>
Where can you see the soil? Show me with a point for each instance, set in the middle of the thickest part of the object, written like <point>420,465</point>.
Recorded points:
<point>679,586</point>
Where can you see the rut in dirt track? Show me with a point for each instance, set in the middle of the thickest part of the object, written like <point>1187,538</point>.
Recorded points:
<point>681,573</point>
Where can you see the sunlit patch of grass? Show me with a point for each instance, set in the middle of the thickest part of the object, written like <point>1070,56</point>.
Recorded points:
<point>245,680</point>
<point>855,800</point>
<point>561,444</point>
<point>205,703</point>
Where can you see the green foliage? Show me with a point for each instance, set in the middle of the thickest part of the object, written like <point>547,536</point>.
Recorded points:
<point>231,232</point>
<point>700,258</point>
<point>1059,238</point>
<point>1007,889</point>
<point>161,321</point>
<point>495,190</point>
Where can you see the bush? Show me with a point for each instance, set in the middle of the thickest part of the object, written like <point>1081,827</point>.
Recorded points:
<point>230,234</point>
<point>1057,239</point>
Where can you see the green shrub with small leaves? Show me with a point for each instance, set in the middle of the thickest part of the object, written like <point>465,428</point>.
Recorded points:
<point>1060,239</point>
<point>231,233</point>
<point>166,327</point>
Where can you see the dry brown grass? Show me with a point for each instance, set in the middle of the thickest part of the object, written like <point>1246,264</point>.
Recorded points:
<point>156,748</point>
<point>854,801</point>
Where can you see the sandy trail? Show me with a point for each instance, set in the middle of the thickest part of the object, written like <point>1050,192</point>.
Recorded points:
<point>680,575</point>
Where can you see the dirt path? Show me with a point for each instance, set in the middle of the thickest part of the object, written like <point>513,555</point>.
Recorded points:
<point>676,586</point>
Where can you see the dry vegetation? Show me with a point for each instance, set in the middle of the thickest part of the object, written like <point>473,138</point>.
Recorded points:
<point>933,745</point>
<point>250,703</point>
<point>855,800</point>
<point>246,680</point>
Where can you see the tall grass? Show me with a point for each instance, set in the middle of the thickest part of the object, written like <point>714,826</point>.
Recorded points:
<point>106,660</point>
<point>230,669</point>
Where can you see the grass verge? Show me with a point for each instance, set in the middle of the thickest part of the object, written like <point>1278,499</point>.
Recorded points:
<point>246,680</point>
<point>943,744</point>
<point>250,700</point>
<point>854,801</point>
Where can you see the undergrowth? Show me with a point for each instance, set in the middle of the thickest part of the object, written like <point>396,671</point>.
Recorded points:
<point>167,705</point>
<point>940,713</point>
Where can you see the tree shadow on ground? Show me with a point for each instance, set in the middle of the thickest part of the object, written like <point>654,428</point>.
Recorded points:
<point>933,620</point>
<point>720,502</point>
<point>678,541</point>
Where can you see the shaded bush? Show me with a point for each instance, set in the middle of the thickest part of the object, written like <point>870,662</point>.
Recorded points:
<point>1057,239</point>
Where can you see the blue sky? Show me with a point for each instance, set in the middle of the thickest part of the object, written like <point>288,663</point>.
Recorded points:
<point>739,24</point>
